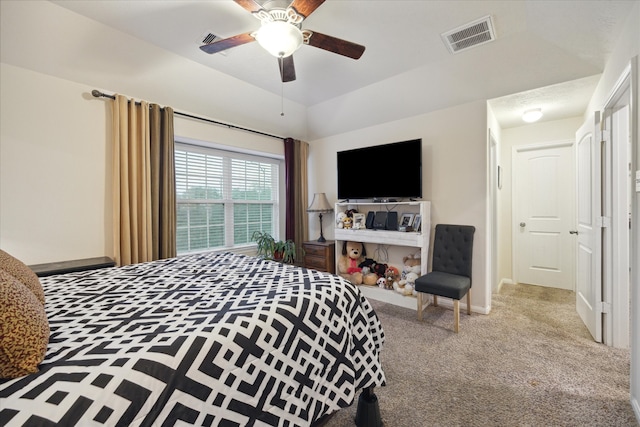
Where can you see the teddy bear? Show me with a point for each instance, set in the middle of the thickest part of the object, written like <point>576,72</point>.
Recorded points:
<point>340,216</point>
<point>391,276</point>
<point>411,270</point>
<point>353,254</point>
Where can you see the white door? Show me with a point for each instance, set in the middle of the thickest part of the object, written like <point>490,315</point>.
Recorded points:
<point>544,215</point>
<point>588,266</point>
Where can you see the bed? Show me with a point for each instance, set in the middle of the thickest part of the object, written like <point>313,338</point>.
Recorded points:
<point>208,339</point>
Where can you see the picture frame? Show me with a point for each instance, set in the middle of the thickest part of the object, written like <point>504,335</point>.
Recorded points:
<point>406,220</point>
<point>417,222</point>
<point>359,221</point>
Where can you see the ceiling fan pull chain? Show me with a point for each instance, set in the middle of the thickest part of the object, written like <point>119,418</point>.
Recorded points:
<point>281,86</point>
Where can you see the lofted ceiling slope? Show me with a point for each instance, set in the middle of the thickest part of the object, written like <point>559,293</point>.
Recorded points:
<point>541,47</point>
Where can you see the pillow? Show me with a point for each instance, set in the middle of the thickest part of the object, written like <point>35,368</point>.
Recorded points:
<point>24,274</point>
<point>24,330</point>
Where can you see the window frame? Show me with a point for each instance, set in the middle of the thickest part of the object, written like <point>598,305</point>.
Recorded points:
<point>228,153</point>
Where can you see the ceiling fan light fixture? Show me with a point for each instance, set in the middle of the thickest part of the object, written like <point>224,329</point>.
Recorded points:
<point>532,115</point>
<point>279,38</point>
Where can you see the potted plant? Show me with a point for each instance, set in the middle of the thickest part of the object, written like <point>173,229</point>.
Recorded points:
<point>285,251</point>
<point>266,244</point>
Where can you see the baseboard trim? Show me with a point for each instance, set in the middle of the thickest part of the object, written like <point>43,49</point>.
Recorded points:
<point>504,281</point>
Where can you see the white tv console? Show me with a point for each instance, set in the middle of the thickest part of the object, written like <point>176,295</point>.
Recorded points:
<point>413,239</point>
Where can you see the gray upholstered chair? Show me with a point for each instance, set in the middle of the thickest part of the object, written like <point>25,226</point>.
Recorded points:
<point>450,275</point>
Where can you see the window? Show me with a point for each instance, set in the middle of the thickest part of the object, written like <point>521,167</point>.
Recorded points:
<point>222,197</point>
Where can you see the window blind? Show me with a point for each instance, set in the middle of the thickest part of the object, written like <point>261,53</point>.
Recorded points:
<point>223,197</point>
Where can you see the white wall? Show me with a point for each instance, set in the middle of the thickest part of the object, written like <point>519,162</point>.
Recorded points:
<point>55,166</point>
<point>454,163</point>
<point>54,186</point>
<point>535,133</point>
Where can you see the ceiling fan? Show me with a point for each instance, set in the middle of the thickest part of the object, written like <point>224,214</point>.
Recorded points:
<point>281,34</point>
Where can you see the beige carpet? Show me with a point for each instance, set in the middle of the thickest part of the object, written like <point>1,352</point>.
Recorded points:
<point>531,362</point>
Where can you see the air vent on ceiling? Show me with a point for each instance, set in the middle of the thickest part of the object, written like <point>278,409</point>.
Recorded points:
<point>210,38</point>
<point>470,35</point>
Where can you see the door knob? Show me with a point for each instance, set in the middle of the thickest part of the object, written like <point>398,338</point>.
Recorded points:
<point>573,232</point>
<point>523,224</point>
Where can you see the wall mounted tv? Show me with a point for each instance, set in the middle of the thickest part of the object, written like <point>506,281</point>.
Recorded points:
<point>381,171</point>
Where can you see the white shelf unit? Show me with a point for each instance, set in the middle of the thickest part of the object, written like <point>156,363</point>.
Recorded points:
<point>414,239</point>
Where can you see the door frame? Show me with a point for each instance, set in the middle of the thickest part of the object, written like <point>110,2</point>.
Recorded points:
<point>514,210</point>
<point>494,182</point>
<point>616,241</point>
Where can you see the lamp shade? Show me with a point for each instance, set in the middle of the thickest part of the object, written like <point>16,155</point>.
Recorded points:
<point>320,204</point>
<point>279,38</point>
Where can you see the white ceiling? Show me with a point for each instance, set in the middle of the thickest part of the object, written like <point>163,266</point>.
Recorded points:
<point>540,45</point>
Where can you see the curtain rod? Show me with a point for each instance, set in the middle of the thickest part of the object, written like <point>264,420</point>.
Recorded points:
<point>97,94</point>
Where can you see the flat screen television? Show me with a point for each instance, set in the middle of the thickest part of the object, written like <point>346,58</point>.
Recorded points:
<point>381,172</point>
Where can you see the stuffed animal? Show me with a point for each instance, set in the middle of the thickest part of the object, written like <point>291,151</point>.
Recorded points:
<point>368,263</point>
<point>340,216</point>
<point>347,222</point>
<point>391,275</point>
<point>369,277</point>
<point>348,264</point>
<point>379,269</point>
<point>410,272</point>
<point>353,266</point>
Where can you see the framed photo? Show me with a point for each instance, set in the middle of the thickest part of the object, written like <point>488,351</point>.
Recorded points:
<point>417,221</point>
<point>358,221</point>
<point>406,220</point>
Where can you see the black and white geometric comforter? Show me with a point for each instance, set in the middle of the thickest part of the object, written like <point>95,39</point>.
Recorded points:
<point>211,339</point>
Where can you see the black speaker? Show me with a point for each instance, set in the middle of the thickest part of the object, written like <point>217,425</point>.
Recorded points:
<point>392,221</point>
<point>380,220</point>
<point>371,215</point>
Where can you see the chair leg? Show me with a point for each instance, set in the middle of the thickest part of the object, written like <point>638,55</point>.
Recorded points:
<point>420,306</point>
<point>435,300</point>
<point>469,303</point>
<point>456,315</point>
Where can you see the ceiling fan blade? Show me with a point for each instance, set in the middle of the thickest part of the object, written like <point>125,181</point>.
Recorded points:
<point>249,5</point>
<point>334,44</point>
<point>224,44</point>
<point>305,7</point>
<point>287,69</point>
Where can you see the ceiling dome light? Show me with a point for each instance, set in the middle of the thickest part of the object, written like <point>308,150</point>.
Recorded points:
<point>531,116</point>
<point>279,38</point>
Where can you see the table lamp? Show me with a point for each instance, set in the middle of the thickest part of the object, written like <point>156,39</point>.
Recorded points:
<point>321,205</point>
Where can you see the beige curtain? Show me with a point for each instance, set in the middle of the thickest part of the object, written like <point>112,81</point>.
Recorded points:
<point>144,189</point>
<point>301,196</point>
